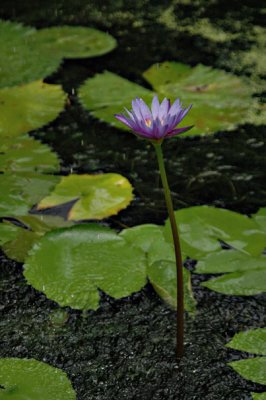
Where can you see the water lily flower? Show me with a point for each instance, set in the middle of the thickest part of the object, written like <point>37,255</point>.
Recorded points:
<point>156,123</point>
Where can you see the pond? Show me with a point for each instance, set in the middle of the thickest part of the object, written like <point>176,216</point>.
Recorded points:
<point>109,332</point>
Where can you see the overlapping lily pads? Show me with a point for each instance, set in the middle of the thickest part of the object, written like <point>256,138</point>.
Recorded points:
<point>27,107</point>
<point>28,54</point>
<point>26,154</point>
<point>20,191</point>
<point>252,341</point>
<point>31,379</point>
<point>220,100</point>
<point>70,265</point>
<point>96,196</point>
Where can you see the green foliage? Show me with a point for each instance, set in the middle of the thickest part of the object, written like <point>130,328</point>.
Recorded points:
<point>97,196</point>
<point>252,341</point>
<point>252,369</point>
<point>28,54</point>
<point>30,379</point>
<point>69,265</point>
<point>20,191</point>
<point>26,154</point>
<point>220,100</point>
<point>28,107</point>
<point>8,232</point>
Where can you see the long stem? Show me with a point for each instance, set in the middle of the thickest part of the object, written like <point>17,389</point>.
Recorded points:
<point>179,264</point>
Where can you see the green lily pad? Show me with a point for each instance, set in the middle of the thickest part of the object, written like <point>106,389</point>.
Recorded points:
<point>251,341</point>
<point>223,98</point>
<point>247,283</point>
<point>18,246</point>
<point>107,94</point>
<point>252,369</point>
<point>258,396</point>
<point>23,61</point>
<point>260,218</point>
<point>7,232</point>
<point>69,265</point>
<point>75,41</point>
<point>30,379</point>
<point>220,100</point>
<point>229,261</point>
<point>97,196</point>
<point>202,227</point>
<point>20,191</point>
<point>26,154</point>
<point>162,275</point>
<point>161,268</point>
<point>33,105</point>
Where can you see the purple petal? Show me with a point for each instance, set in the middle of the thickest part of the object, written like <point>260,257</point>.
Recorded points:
<point>136,108</point>
<point>175,108</point>
<point>145,111</point>
<point>164,108</point>
<point>178,130</point>
<point>125,121</point>
<point>155,107</point>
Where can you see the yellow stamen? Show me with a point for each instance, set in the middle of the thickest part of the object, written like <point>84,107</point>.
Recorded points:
<point>148,122</point>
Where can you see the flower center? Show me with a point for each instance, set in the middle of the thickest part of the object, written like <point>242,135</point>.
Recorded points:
<point>148,122</point>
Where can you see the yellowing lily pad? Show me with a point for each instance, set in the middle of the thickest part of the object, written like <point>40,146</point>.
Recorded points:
<point>20,191</point>
<point>26,154</point>
<point>70,265</point>
<point>28,107</point>
<point>75,41</point>
<point>220,100</point>
<point>30,379</point>
<point>95,196</point>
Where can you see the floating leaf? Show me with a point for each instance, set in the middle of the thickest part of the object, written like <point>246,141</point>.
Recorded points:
<point>143,236</point>
<point>18,246</point>
<point>162,275</point>
<point>31,380</point>
<point>251,341</point>
<point>229,261</point>
<point>259,396</point>
<point>75,41</point>
<point>28,107</point>
<point>69,265</point>
<point>260,218</point>
<point>7,232</point>
<point>252,369</point>
<point>223,98</point>
<point>22,60</point>
<point>26,154</point>
<point>97,196</point>
<point>202,227</point>
<point>107,94</point>
<point>20,191</point>
<point>247,283</point>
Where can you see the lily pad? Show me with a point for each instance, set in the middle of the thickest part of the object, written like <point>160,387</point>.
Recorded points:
<point>247,283</point>
<point>252,369</point>
<point>260,218</point>
<point>162,275</point>
<point>75,41</point>
<point>251,341</point>
<point>259,396</point>
<point>143,236</point>
<point>8,232</point>
<point>224,98</point>
<point>95,196</point>
<point>28,107</point>
<point>107,94</point>
<point>31,379</point>
<point>21,60</point>
<point>20,191</point>
<point>229,261</point>
<point>69,265</point>
<point>220,100</point>
<point>34,226</point>
<point>202,227</point>
<point>26,154</point>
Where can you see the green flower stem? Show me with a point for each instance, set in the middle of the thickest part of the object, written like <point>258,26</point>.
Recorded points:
<point>179,264</point>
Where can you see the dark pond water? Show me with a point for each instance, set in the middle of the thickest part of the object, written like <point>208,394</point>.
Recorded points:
<point>125,350</point>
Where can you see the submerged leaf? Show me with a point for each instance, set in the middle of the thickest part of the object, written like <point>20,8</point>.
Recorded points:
<point>26,154</point>
<point>30,379</point>
<point>97,196</point>
<point>28,107</point>
<point>69,265</point>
